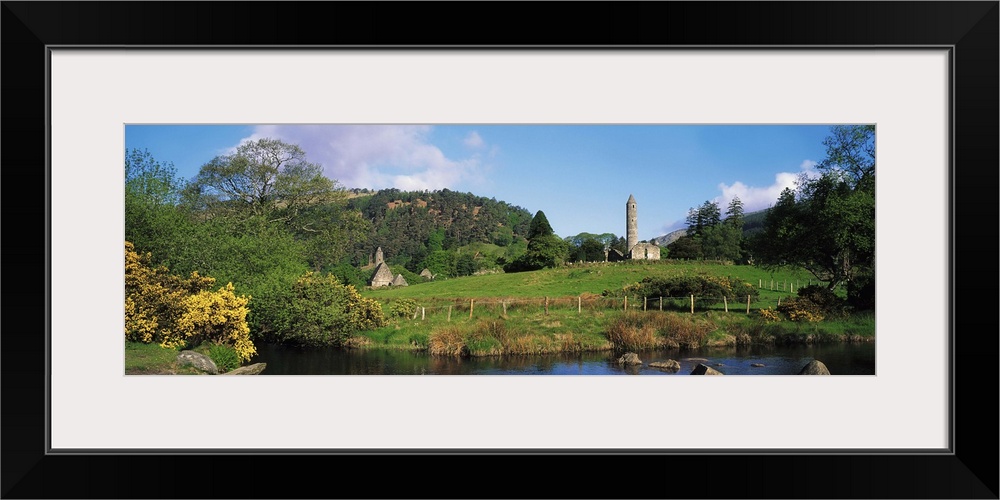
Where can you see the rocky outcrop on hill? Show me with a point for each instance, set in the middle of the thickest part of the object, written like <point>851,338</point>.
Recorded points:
<point>670,237</point>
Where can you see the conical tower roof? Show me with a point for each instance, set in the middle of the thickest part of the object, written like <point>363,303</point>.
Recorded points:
<point>631,199</point>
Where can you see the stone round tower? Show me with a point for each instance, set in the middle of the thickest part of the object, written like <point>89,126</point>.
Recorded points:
<point>631,224</point>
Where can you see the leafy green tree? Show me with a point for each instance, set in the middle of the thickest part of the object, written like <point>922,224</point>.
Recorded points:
<point>734,213</point>
<point>263,177</point>
<point>153,220</point>
<point>721,242</point>
<point>151,180</point>
<point>545,249</point>
<point>539,226</point>
<point>589,250</point>
<point>686,247</point>
<point>850,154</point>
<point>710,214</point>
<point>328,233</point>
<point>707,215</point>
<point>465,265</point>
<point>322,311</point>
<point>503,236</point>
<point>435,240</point>
<point>440,263</point>
<point>829,228</point>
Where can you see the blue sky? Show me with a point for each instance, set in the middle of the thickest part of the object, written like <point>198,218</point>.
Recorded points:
<point>579,175</point>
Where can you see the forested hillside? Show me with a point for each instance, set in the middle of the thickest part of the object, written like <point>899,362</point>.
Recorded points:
<point>411,225</point>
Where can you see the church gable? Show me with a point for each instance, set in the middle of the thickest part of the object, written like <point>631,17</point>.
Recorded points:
<point>382,276</point>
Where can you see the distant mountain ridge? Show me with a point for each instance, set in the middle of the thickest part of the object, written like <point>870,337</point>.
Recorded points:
<point>752,222</point>
<point>670,237</point>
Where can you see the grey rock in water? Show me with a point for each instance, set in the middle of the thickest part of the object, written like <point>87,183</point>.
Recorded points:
<point>253,369</point>
<point>705,370</point>
<point>668,365</point>
<point>757,365</point>
<point>197,360</point>
<point>629,358</point>
<point>815,367</point>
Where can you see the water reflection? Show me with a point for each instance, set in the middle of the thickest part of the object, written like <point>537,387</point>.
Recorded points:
<point>841,359</point>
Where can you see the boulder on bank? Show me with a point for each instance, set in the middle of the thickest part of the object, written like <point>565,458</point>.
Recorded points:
<point>668,365</point>
<point>815,367</point>
<point>702,369</point>
<point>197,360</point>
<point>757,365</point>
<point>253,369</point>
<point>629,358</point>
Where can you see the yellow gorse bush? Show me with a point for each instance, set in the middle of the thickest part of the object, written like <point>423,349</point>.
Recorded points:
<point>172,311</point>
<point>769,315</point>
<point>362,313</point>
<point>802,310</point>
<point>218,316</point>
<point>803,315</point>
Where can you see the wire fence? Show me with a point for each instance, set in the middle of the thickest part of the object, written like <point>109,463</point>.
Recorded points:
<point>456,308</point>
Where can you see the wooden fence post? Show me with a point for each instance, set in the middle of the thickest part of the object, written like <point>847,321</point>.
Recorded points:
<point>422,310</point>
<point>725,303</point>
<point>546,305</point>
<point>449,314</point>
<point>472,304</point>
<point>644,303</point>
<point>748,304</point>
<point>779,301</point>
<point>626,302</point>
<point>661,303</point>
<point>579,304</point>
<point>692,304</point>
<point>504,302</point>
<point>414,314</point>
<point>758,283</point>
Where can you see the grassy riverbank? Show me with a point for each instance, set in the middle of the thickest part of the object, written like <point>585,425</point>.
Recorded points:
<point>562,310</point>
<point>532,332</point>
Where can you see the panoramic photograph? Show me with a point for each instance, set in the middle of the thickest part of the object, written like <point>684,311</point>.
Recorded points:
<point>487,249</point>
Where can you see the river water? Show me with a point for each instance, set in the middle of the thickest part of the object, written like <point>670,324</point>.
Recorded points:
<point>840,358</point>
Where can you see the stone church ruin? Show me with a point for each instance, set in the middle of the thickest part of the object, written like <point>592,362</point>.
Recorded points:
<point>635,250</point>
<point>383,275</point>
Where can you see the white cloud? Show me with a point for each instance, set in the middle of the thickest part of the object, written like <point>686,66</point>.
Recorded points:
<point>378,156</point>
<point>473,140</point>
<point>757,198</point>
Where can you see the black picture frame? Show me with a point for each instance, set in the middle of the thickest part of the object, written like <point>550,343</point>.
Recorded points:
<point>970,29</point>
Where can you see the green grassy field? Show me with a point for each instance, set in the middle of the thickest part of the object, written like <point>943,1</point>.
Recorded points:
<point>507,313</point>
<point>593,278</point>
